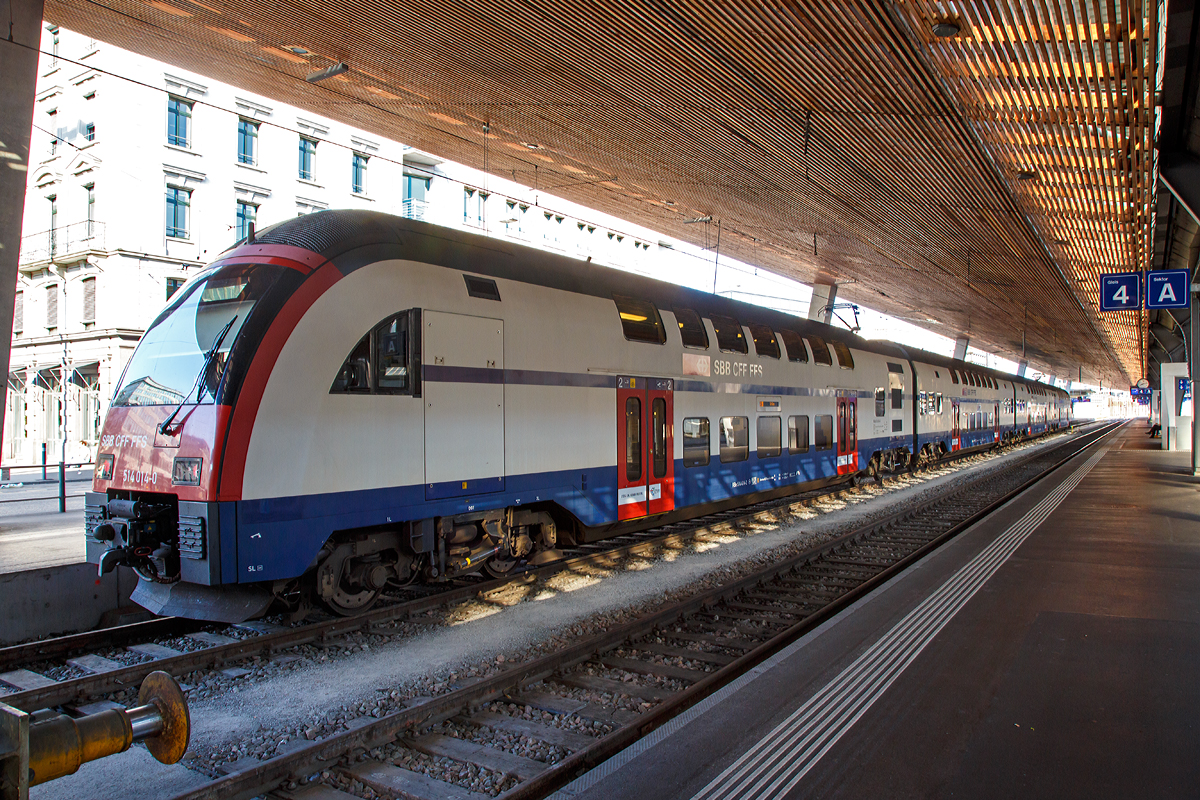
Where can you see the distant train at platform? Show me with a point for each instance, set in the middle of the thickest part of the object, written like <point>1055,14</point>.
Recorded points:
<point>350,401</point>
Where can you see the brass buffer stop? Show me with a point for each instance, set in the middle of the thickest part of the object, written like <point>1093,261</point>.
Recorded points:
<point>36,748</point>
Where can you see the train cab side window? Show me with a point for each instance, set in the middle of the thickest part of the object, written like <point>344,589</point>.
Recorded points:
<point>795,346</point>
<point>355,375</point>
<point>640,320</point>
<point>735,439</point>
<point>845,359</point>
<point>880,401</point>
<point>385,361</point>
<point>691,328</point>
<point>820,350</point>
<point>823,435</point>
<point>764,340</point>
<point>770,437</point>
<point>729,334</point>
<point>695,441</point>
<point>798,434</point>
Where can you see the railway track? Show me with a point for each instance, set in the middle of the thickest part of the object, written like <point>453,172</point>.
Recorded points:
<point>588,701</point>
<point>66,670</point>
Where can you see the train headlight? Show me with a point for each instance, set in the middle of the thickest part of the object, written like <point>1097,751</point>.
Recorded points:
<point>186,472</point>
<point>105,467</point>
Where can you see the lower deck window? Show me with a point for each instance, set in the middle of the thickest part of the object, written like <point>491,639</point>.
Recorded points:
<point>823,435</point>
<point>770,437</point>
<point>695,441</point>
<point>798,434</point>
<point>735,438</point>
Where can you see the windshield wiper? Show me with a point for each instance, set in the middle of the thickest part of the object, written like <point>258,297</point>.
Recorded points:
<point>165,428</point>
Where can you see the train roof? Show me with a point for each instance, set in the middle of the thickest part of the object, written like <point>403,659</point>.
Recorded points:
<point>351,239</point>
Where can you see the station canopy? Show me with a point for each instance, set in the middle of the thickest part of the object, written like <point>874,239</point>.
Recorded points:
<point>971,167</point>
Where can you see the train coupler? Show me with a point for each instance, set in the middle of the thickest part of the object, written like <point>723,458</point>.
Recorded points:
<point>36,748</point>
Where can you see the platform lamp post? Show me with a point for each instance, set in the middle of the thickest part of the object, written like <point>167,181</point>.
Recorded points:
<point>1194,367</point>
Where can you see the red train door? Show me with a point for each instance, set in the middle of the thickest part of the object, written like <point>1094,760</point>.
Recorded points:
<point>645,447</point>
<point>847,446</point>
<point>955,441</point>
<point>996,424</point>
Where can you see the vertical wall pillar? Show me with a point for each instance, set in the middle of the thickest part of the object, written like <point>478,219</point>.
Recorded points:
<point>960,347</point>
<point>19,45</point>
<point>820,307</point>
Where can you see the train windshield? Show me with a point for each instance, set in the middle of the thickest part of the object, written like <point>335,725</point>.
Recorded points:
<point>169,365</point>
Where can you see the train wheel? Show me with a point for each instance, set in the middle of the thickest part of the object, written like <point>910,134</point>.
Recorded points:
<point>498,567</point>
<point>347,602</point>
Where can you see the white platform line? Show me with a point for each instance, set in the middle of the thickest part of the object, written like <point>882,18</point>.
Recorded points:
<point>783,757</point>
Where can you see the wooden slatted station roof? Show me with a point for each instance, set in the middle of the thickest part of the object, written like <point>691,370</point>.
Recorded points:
<point>981,176</point>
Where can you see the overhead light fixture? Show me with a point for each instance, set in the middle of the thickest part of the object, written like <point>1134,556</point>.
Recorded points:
<point>1026,175</point>
<point>329,72</point>
<point>707,218</point>
<point>532,146</point>
<point>946,29</point>
<point>300,51</point>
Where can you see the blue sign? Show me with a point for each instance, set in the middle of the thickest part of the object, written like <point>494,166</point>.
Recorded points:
<point>1167,288</point>
<point>1121,291</point>
<point>1136,393</point>
<point>1185,386</point>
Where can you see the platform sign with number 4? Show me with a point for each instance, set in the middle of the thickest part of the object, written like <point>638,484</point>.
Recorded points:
<point>1120,291</point>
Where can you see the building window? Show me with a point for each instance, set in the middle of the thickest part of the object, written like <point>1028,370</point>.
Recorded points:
<point>247,141</point>
<point>246,212</point>
<point>90,95</point>
<point>173,285</point>
<point>308,151</point>
<point>358,174</point>
<point>54,42</point>
<point>91,209</point>
<point>19,312</point>
<point>52,306</point>
<point>89,131</point>
<point>474,207</point>
<point>53,115</point>
<point>514,219</point>
<point>89,300</point>
<point>179,122</point>
<point>415,187</point>
<point>178,202</point>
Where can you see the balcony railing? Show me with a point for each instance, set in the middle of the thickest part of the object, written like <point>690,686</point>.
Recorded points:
<point>61,244</point>
<point>414,209</point>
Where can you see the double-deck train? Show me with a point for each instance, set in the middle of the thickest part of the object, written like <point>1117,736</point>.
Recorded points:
<point>350,401</point>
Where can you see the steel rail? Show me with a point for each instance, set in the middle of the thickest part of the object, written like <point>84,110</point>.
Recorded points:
<point>268,775</point>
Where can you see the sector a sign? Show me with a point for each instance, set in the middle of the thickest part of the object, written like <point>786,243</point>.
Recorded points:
<point>1167,288</point>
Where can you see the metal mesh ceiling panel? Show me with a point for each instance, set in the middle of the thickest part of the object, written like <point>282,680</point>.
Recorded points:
<point>980,181</point>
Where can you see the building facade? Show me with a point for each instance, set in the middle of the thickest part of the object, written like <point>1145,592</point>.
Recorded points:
<point>142,173</point>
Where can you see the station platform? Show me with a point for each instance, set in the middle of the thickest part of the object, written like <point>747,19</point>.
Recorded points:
<point>1049,651</point>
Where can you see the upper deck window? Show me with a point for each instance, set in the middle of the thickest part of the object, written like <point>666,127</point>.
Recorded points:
<point>820,350</point>
<point>764,340</point>
<point>730,338</point>
<point>691,328</point>
<point>640,320</point>
<point>795,346</point>
<point>845,359</point>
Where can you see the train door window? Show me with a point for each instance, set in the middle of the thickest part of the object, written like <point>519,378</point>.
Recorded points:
<point>823,433</point>
<point>730,338</point>
<point>633,439</point>
<point>843,433</point>
<point>921,403</point>
<point>658,423</point>
<point>795,346</point>
<point>852,426</point>
<point>880,401</point>
<point>691,328</point>
<point>898,397</point>
<point>798,434</point>
<point>845,359</point>
<point>695,441</point>
<point>939,402</point>
<point>735,438</point>
<point>764,340</point>
<point>820,350</point>
<point>770,437</point>
<point>954,375</point>
<point>640,320</point>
